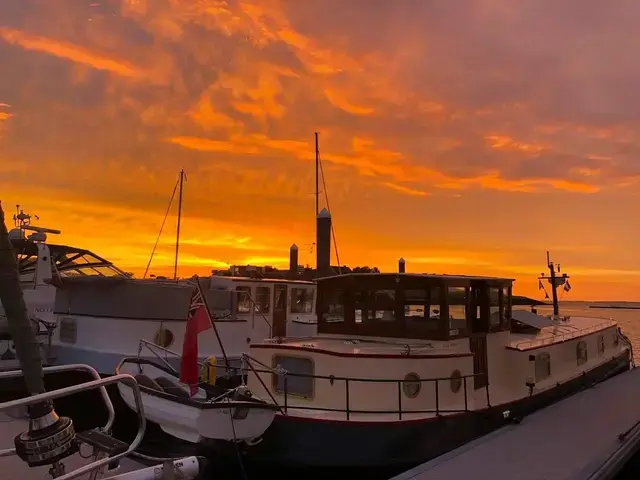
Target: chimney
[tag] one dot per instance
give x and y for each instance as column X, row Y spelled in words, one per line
column 293, row 261
column 401, row 265
column 323, row 243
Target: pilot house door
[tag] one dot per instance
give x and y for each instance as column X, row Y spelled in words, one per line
column 479, row 319
column 279, row 327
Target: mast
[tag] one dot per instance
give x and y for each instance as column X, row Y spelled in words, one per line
column 555, row 280
column 317, row 192
column 175, row 267
column 554, row 292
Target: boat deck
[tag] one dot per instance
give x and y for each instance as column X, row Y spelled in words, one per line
column 560, row 332
column 14, row 468
column 570, row 440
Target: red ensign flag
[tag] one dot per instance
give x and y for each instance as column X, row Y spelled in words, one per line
column 198, row 320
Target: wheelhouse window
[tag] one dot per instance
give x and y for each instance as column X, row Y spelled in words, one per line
column 334, row 306
column 375, row 306
column 243, row 299
column 263, row 299
column 457, row 299
column 506, row 301
column 301, row 300
column 496, row 309
column 422, row 308
column 293, row 376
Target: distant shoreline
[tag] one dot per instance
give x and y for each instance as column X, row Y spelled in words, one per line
column 616, row 307
column 521, row 300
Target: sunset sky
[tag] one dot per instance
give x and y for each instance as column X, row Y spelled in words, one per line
column 465, row 136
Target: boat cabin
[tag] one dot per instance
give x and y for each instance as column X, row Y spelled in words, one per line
column 398, row 346
column 274, row 307
column 411, row 306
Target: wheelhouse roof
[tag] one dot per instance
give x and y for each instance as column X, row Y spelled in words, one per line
column 262, row 280
column 432, row 276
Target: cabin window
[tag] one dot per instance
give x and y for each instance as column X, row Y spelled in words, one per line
column 411, row 385
column 263, row 299
column 280, row 300
column 243, row 299
column 68, row 330
column 581, row 353
column 543, row 366
column 496, row 312
column 457, row 299
column 600, row 344
column 616, row 338
column 298, row 371
column 334, row 306
column 301, row 300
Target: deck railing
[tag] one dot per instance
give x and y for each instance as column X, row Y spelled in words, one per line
column 247, row 368
column 348, row 409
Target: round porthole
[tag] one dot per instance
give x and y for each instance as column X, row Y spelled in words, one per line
column 456, row 381
column 163, row 338
column 411, row 385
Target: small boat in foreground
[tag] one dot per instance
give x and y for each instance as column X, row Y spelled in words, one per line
column 210, row 413
column 186, row 408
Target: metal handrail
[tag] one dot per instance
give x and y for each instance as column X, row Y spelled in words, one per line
column 93, row 384
column 348, row 380
column 65, row 368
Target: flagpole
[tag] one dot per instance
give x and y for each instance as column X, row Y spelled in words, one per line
column 213, row 324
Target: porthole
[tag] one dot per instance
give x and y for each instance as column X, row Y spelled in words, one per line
column 456, row 381
column 411, row 385
column 581, row 353
column 600, row 344
column 163, row 338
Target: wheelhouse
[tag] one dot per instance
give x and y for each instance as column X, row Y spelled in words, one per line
column 413, row 306
column 66, row 261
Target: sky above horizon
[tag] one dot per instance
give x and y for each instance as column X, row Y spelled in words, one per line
column 467, row 136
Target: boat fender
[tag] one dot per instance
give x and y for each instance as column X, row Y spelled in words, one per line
column 209, row 371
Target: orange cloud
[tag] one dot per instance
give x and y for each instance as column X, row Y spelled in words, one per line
column 504, row 142
column 233, row 91
column 406, row 190
column 72, row 53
